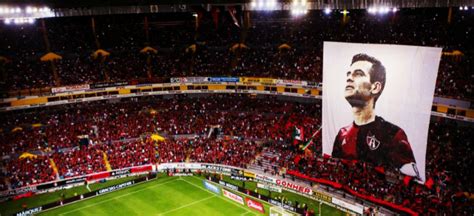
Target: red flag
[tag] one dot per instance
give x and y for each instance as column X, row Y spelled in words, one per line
column 429, row 183
column 297, row 159
column 380, row 169
column 406, row 180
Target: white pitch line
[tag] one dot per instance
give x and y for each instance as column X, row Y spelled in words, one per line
column 217, row 196
column 246, row 213
column 117, row 197
column 187, row 205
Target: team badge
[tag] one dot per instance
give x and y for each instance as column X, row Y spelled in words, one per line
column 372, row 142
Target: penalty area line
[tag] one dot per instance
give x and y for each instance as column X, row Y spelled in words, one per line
column 245, row 213
column 115, row 198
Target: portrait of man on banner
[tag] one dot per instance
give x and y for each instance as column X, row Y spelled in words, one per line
column 369, row 137
column 377, row 102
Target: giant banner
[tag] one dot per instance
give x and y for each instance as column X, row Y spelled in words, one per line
column 377, row 103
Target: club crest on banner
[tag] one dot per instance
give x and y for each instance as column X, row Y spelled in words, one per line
column 372, row 142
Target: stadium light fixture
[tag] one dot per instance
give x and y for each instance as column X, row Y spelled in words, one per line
column 466, row 8
column 271, row 4
column 345, row 12
column 381, row 10
column 298, row 12
column 19, row 20
column 299, row 8
column 253, row 4
column 372, row 10
column 327, row 11
column 294, row 12
column 266, row 5
column 26, row 14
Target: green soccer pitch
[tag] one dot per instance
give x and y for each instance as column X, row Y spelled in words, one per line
column 165, row 196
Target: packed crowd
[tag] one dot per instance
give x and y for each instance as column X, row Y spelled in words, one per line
column 119, row 132
column 124, row 36
column 447, row 190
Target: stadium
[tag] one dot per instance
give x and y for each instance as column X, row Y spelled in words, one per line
column 253, row 107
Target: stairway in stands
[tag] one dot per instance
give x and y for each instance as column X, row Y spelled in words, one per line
column 106, row 161
column 265, row 162
column 54, row 167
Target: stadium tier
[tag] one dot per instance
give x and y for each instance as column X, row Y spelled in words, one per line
column 236, row 109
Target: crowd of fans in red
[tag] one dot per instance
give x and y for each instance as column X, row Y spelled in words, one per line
column 121, row 131
column 124, row 36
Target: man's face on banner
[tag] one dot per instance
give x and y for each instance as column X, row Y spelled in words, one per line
column 358, row 85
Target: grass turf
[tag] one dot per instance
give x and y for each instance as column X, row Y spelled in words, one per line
column 12, row 206
column 168, row 196
column 165, row 196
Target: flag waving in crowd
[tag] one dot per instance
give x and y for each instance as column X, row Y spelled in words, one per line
column 303, row 146
column 298, row 135
column 310, row 141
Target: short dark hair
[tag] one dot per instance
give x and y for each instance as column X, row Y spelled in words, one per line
column 377, row 72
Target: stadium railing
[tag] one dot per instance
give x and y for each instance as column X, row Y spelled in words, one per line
column 199, row 85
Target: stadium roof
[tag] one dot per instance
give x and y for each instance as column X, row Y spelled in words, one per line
column 27, row 9
column 317, row 4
